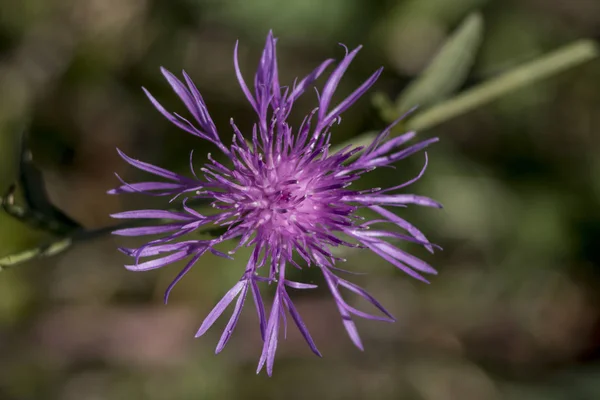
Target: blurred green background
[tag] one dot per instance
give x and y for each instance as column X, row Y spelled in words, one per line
column 514, row 311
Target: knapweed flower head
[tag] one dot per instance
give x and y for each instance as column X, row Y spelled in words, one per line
column 282, row 193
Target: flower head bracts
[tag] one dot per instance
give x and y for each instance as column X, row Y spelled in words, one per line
column 283, row 194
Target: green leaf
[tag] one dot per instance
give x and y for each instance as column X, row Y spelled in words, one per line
column 448, row 70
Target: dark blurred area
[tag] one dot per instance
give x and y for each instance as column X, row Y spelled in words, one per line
column 514, row 312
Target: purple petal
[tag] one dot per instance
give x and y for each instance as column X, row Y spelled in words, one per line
column 395, row 142
column 158, row 262
column 383, row 254
column 181, row 274
column 204, row 118
column 149, row 251
column 406, row 258
column 139, row 187
column 240, row 78
column 300, row 324
column 220, row 307
column 270, row 346
column 152, row 168
column 416, row 233
column 409, row 182
column 260, row 309
column 308, row 80
column 182, row 92
column 263, row 80
column 149, row 214
column 377, row 234
column 235, row 316
column 394, row 199
column 392, row 158
column 146, row 230
column 392, row 143
column 341, row 305
column 364, row 294
column 299, row 285
column 284, row 319
column 332, row 83
column 189, row 128
column 348, row 101
column 365, row 315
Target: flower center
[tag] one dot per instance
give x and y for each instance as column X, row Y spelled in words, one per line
column 282, row 206
column 285, row 199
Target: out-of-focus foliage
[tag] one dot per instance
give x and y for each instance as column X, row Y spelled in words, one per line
column 448, row 70
column 513, row 313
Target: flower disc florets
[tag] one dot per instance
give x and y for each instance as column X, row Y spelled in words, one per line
column 282, row 193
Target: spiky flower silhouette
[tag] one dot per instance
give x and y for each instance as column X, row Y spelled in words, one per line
column 282, row 193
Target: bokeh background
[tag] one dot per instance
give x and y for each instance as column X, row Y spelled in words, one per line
column 514, row 311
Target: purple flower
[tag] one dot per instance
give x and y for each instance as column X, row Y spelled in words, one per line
column 282, row 193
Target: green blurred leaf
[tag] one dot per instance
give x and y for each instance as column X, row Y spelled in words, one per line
column 449, row 68
column 548, row 65
column 560, row 60
column 49, row 250
column 386, row 108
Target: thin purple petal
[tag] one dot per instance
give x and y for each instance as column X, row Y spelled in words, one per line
column 220, row 307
